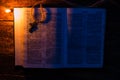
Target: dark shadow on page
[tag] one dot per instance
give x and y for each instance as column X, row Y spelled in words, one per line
column 48, row 18
column 34, row 25
column 48, row 15
column 56, row 56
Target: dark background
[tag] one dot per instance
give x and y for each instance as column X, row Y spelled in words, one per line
column 110, row 70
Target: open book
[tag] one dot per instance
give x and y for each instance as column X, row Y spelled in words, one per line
column 69, row 38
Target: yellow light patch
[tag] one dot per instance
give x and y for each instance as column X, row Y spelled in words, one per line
column 7, row 10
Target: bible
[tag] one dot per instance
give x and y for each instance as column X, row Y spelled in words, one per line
column 68, row 38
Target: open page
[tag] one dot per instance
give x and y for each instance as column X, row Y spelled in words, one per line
column 85, row 38
column 44, row 47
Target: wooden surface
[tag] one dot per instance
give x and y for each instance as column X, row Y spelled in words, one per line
column 25, row 2
column 6, row 38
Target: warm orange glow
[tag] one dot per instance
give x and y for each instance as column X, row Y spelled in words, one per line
column 19, row 27
column 7, row 10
